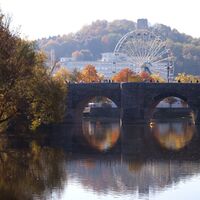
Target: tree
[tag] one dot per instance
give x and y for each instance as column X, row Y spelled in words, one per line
column 82, row 55
column 187, row 78
column 62, row 75
column 135, row 78
column 157, row 78
column 89, row 74
column 126, row 75
column 27, row 91
column 75, row 76
column 145, row 76
column 48, row 104
column 17, row 60
column 76, row 55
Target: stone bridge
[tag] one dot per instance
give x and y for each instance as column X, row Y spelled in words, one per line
column 136, row 101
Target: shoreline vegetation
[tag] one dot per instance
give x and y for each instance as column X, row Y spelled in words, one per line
column 29, row 95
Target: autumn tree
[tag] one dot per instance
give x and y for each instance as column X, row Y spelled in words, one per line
column 157, row 78
column 27, row 91
column 83, row 54
column 48, row 104
column 17, row 60
column 76, row 55
column 62, row 74
column 135, row 78
column 146, row 77
column 126, row 75
column 75, row 76
column 187, row 78
column 89, row 74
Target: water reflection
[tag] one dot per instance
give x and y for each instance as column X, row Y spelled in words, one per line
column 30, row 172
column 125, row 177
column 173, row 135
column 101, row 134
column 139, row 169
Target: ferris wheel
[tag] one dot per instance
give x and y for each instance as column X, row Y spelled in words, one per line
column 147, row 52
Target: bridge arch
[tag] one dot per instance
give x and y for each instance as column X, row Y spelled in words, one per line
column 84, row 102
column 80, row 94
column 160, row 97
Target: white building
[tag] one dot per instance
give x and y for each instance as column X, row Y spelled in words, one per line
column 109, row 65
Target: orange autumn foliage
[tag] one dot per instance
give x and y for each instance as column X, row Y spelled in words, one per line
column 123, row 75
column 146, row 76
column 89, row 74
column 126, row 75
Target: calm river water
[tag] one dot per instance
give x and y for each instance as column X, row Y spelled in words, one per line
column 101, row 160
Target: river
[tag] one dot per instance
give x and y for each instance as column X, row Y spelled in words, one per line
column 103, row 160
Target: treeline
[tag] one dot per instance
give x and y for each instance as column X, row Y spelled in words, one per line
column 89, row 74
column 91, row 40
column 102, row 36
column 29, row 95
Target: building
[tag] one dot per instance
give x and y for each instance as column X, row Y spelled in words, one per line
column 109, row 65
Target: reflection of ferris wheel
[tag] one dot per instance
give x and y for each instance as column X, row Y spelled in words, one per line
column 147, row 52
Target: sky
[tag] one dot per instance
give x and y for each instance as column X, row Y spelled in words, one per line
column 44, row 18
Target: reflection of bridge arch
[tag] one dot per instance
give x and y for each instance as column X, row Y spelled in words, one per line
column 173, row 135
column 100, row 134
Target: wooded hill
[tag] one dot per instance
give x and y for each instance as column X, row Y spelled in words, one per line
column 102, row 36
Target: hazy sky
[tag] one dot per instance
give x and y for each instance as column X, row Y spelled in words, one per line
column 41, row 18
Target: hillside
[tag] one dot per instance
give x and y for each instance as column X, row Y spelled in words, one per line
column 102, row 36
